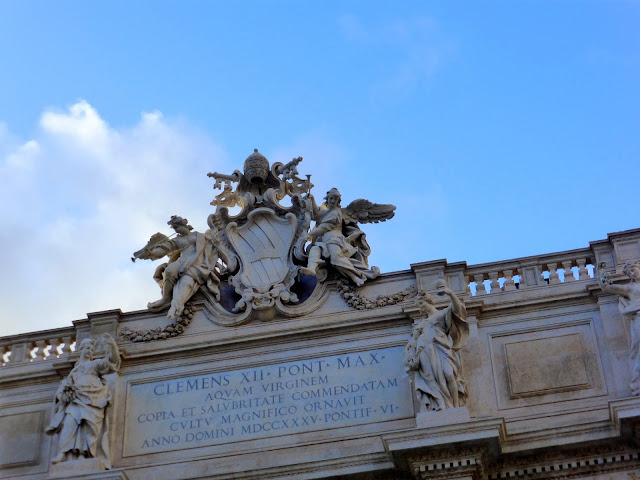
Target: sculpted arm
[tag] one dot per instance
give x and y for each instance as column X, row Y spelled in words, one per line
column 321, row 228
column 607, row 287
column 314, row 207
column 456, row 307
column 111, row 362
column 162, row 249
column 456, row 304
column 327, row 223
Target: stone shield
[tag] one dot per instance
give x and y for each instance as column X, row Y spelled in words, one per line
column 263, row 245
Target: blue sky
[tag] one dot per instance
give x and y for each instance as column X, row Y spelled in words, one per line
column 499, row 129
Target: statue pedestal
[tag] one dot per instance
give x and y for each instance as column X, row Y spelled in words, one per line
column 443, row 417
column 85, row 469
column 76, row 468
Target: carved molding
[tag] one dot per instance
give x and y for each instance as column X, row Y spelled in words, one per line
column 567, row 464
column 450, row 463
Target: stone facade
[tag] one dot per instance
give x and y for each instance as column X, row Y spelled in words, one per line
column 546, row 363
column 328, row 387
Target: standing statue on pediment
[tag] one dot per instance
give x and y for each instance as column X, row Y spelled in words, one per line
column 193, row 258
column 629, row 306
column 79, row 411
column 338, row 241
column 433, row 352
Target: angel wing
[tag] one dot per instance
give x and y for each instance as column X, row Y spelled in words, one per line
column 364, row 211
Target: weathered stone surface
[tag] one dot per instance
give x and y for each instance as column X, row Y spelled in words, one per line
column 561, row 368
column 282, row 399
column 313, row 385
column 24, row 448
column 79, row 419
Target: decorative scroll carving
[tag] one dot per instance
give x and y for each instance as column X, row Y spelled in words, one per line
column 258, row 244
column 432, row 352
column 79, row 410
column 629, row 306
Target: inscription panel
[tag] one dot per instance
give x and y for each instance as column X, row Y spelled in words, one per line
column 279, row 399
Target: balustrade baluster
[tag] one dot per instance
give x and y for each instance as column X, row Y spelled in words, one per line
column 54, row 342
column 40, row 353
column 509, row 284
column 66, row 349
column 495, row 284
column 554, row 279
column 480, row 288
column 568, row 273
column 583, row 273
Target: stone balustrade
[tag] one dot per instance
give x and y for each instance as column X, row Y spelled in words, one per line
column 546, row 363
column 528, row 272
column 37, row 347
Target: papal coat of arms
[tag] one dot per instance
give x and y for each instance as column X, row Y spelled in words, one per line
column 263, row 259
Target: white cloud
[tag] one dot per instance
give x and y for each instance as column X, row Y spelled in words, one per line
column 80, row 197
column 24, row 156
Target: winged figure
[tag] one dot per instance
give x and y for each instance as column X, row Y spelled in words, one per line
column 192, row 264
column 337, row 240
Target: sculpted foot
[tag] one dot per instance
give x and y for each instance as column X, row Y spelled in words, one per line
column 158, row 305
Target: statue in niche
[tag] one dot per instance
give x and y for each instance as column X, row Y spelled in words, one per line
column 337, row 240
column 193, row 257
column 81, row 401
column 629, row 306
column 432, row 353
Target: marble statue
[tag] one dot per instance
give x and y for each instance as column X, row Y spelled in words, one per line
column 193, row 258
column 432, row 352
column 337, row 240
column 629, row 306
column 259, row 244
column 258, row 255
column 79, row 411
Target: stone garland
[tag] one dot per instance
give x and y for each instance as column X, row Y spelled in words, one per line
column 360, row 302
column 347, row 291
column 172, row 330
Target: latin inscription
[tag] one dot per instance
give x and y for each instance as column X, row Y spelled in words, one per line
column 287, row 398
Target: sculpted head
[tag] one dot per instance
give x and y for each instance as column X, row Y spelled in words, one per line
column 632, row 270
column 333, row 198
column 87, row 347
column 425, row 303
column 180, row 225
